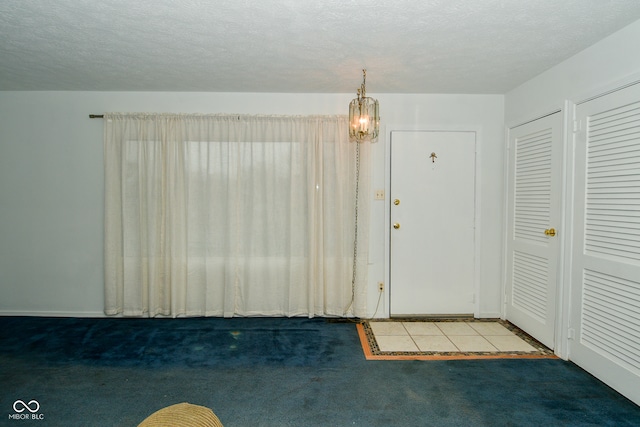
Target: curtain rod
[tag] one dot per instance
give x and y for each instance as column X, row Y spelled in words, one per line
column 96, row 116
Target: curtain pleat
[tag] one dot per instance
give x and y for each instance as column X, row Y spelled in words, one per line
column 218, row 215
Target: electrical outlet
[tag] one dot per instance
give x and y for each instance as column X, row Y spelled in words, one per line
column 379, row 194
column 381, row 287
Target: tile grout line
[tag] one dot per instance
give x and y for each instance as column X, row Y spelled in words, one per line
column 447, row 337
column 411, row 336
column 441, row 331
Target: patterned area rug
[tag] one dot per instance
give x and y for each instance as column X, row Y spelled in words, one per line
column 373, row 352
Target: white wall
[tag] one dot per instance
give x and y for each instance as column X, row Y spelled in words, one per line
column 51, row 184
column 605, row 65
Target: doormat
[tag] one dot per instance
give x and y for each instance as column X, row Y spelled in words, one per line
column 373, row 352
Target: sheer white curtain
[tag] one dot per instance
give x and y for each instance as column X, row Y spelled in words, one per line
column 217, row 215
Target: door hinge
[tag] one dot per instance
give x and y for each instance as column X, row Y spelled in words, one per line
column 572, row 334
column 577, row 126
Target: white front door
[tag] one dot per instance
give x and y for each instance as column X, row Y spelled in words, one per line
column 534, row 203
column 432, row 223
column 605, row 290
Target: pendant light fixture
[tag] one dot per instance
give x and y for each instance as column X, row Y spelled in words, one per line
column 364, row 116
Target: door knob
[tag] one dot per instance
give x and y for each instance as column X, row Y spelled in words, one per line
column 550, row 232
column 396, row 225
column 396, row 202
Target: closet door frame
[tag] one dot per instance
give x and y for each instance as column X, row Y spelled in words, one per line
column 599, row 344
column 565, row 237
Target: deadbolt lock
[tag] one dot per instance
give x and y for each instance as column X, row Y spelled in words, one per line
column 396, row 225
column 396, row 202
column 550, row 232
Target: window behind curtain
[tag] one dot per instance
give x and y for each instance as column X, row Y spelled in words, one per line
column 232, row 215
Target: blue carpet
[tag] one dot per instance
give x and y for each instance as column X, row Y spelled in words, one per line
column 196, row 342
column 277, row 372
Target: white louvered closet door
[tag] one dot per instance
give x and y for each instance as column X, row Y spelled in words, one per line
column 535, row 167
column 605, row 315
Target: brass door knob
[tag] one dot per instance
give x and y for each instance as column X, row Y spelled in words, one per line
column 396, row 225
column 396, row 202
column 550, row 232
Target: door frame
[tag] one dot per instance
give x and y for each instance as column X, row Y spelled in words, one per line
column 567, row 248
column 614, row 376
column 509, row 176
column 565, row 237
column 388, row 132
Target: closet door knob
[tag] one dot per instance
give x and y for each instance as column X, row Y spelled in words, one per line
column 396, row 225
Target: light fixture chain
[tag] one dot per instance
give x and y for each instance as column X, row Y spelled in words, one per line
column 355, row 233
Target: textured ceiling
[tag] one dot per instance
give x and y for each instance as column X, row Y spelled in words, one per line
column 419, row 46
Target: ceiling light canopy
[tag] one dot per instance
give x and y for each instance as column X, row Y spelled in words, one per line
column 364, row 115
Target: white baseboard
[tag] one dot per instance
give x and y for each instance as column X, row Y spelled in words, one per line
column 18, row 313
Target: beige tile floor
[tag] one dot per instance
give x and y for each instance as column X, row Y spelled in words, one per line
column 447, row 337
